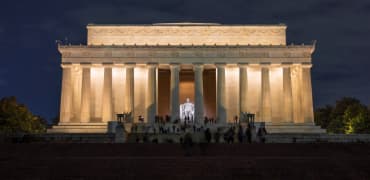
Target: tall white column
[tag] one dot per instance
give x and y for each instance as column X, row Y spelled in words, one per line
column 296, row 73
column 129, row 96
column 307, row 94
column 287, row 94
column 243, row 80
column 265, row 94
column 86, row 90
column 76, row 92
column 174, row 96
column 221, row 96
column 152, row 92
column 66, row 98
column 107, row 95
column 198, row 89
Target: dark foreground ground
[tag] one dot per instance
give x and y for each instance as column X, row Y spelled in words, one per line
column 172, row 161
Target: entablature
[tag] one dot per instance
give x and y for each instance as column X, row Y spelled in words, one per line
column 187, row 54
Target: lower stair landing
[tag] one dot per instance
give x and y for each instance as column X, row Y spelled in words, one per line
column 79, row 128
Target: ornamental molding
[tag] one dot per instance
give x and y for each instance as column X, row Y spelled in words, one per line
column 185, row 31
column 222, row 52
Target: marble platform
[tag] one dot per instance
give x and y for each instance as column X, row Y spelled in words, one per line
column 79, row 128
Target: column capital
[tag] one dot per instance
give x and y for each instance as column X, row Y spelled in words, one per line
column 66, row 65
column 152, row 65
column 306, row 65
column 130, row 65
column 198, row 66
column 86, row 65
column 108, row 65
column 243, row 65
column 265, row 65
column 220, row 65
column 174, row 65
column 286, row 65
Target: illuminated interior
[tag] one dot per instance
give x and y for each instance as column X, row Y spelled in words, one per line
column 186, row 87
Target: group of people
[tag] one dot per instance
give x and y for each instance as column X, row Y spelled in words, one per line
column 209, row 120
column 231, row 135
column 248, row 135
column 167, row 129
column 161, row 119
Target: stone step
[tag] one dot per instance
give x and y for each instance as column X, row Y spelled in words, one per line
column 79, row 127
column 82, row 124
column 309, row 131
column 294, row 128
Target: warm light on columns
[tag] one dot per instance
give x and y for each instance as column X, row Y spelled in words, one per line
column 66, row 97
column 140, row 89
column 76, row 92
column 254, row 92
column 97, row 79
column 232, row 92
column 276, row 93
column 296, row 74
column 119, row 82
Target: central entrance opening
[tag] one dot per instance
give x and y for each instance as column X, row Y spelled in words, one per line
column 186, row 90
column 186, row 86
column 186, row 97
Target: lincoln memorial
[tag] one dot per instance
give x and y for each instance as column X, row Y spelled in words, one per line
column 186, row 71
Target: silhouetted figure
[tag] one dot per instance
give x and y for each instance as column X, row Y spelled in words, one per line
column 236, row 119
column 240, row 134
column 232, row 133
column 188, row 143
column 205, row 120
column 208, row 135
column 229, row 136
column 217, row 136
column 168, row 118
column 145, row 138
column 261, row 133
column 248, row 133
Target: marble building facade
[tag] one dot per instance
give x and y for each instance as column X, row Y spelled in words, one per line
column 252, row 69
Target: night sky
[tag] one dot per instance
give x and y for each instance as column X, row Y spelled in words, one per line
column 30, row 63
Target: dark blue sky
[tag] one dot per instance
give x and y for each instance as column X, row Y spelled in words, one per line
column 29, row 60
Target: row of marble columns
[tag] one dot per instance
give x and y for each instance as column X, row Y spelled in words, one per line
column 296, row 103
column 76, row 106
